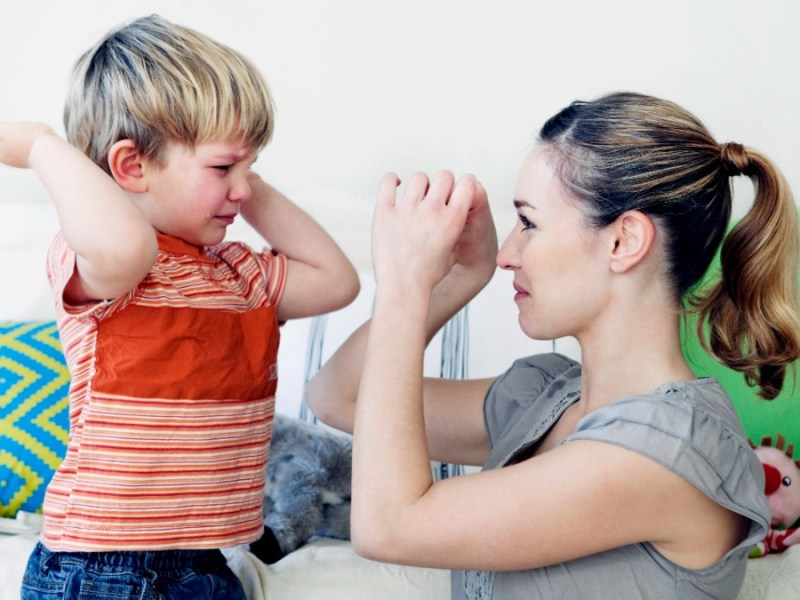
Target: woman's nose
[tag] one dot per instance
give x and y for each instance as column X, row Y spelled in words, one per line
column 508, row 255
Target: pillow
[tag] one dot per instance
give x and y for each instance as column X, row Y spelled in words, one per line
column 34, row 412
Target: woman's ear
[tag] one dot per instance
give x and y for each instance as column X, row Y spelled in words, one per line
column 634, row 234
column 125, row 164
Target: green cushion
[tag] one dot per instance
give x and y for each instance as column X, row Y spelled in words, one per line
column 34, row 413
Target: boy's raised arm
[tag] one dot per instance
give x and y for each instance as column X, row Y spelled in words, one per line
column 321, row 279
column 114, row 242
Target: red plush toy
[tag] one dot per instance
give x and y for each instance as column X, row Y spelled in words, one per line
column 782, row 487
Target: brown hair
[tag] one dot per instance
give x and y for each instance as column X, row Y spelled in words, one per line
column 629, row 151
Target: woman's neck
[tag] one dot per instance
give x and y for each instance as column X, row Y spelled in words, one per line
column 631, row 354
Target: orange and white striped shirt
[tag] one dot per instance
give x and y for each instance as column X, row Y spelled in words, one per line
column 171, row 403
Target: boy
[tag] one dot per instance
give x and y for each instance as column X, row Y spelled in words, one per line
column 171, row 335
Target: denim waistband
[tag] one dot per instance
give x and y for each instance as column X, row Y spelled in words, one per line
column 157, row 560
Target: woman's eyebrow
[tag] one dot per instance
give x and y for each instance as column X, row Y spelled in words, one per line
column 523, row 203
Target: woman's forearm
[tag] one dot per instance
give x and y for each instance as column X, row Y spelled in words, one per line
column 331, row 393
column 391, row 463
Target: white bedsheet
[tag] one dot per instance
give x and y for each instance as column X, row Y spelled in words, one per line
column 322, row 570
column 330, row 570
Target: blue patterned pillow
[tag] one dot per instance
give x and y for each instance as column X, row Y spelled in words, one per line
column 34, row 412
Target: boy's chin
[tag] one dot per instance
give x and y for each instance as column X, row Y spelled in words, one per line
column 213, row 240
column 206, row 238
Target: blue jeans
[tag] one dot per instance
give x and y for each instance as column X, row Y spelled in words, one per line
column 169, row 574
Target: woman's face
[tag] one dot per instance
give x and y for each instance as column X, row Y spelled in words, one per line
column 560, row 265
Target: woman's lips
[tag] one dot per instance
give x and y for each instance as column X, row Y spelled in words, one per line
column 521, row 292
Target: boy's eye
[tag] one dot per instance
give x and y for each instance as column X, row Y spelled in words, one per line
column 222, row 168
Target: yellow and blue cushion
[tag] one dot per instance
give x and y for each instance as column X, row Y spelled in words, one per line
column 34, row 412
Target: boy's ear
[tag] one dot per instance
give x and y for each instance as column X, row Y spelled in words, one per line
column 125, row 164
column 633, row 235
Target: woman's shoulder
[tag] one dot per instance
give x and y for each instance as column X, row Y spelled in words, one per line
column 692, row 429
column 682, row 411
column 541, row 366
column 528, row 377
column 520, row 397
column 675, row 403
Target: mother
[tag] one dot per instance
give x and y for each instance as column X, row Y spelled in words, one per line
column 621, row 477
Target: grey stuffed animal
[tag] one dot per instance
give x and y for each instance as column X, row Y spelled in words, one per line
column 308, row 487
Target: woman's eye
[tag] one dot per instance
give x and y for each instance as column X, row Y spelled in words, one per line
column 526, row 224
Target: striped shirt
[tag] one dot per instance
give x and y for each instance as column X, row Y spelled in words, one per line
column 171, row 403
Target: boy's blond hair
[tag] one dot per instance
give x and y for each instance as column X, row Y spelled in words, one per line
column 155, row 82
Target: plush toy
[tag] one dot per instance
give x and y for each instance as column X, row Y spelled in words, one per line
column 308, row 487
column 782, row 486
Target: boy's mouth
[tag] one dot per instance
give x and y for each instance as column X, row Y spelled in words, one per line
column 225, row 219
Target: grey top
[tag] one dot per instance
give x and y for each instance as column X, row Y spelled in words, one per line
column 689, row 427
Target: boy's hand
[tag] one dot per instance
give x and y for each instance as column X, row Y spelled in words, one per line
column 17, row 140
column 321, row 277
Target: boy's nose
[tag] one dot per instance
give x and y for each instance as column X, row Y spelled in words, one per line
column 240, row 192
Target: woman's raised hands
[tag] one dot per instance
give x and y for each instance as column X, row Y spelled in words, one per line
column 438, row 226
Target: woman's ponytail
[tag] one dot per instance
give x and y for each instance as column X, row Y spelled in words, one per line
column 752, row 312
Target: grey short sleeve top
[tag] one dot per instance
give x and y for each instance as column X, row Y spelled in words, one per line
column 689, row 427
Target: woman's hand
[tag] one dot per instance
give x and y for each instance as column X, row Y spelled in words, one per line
column 476, row 247
column 417, row 240
column 407, row 240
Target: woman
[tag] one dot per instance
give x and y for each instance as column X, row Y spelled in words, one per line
column 622, row 477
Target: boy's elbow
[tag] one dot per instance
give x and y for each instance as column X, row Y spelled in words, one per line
column 346, row 287
column 108, row 273
column 334, row 289
column 138, row 258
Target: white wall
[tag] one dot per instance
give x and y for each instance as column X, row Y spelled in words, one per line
column 367, row 86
